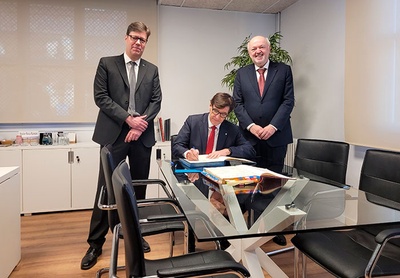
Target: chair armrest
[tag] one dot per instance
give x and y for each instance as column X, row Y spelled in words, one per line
column 164, row 218
column 204, row 269
column 381, row 240
column 153, row 181
column 386, row 235
column 157, row 200
column 102, row 202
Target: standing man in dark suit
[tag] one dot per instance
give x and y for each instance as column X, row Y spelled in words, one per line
column 265, row 115
column 128, row 93
column 264, row 97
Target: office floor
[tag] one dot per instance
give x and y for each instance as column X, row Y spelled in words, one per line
column 54, row 243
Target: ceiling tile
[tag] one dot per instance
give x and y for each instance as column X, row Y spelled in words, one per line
column 254, row 6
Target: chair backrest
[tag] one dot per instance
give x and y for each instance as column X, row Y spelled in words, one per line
column 327, row 159
column 108, row 164
column 128, row 214
column 173, row 157
column 380, row 174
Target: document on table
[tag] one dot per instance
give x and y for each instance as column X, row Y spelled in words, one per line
column 204, row 161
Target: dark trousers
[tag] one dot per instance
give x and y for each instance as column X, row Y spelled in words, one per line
column 272, row 158
column 139, row 163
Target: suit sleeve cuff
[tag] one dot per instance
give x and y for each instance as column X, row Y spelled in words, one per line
column 249, row 126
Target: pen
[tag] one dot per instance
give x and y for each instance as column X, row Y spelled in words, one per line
column 195, row 153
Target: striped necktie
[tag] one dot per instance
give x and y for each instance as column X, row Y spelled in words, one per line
column 132, row 87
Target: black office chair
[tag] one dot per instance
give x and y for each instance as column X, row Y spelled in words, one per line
column 147, row 208
column 173, row 157
column 323, row 158
column 321, row 161
column 189, row 265
column 364, row 252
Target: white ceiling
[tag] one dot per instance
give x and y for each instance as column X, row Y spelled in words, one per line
column 253, row 6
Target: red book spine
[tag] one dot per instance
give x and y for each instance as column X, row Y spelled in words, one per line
column 160, row 122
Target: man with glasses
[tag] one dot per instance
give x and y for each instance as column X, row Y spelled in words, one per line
column 194, row 135
column 128, row 93
column 227, row 140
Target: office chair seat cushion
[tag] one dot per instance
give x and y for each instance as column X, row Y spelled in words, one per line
column 346, row 254
column 156, row 228
column 200, row 263
column 165, row 227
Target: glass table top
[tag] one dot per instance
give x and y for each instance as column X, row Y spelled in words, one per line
column 305, row 203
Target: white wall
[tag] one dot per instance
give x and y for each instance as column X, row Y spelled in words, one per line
column 195, row 44
column 314, row 35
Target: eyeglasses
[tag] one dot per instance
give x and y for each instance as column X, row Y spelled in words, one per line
column 221, row 114
column 135, row 39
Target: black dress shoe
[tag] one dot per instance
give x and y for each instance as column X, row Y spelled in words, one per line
column 146, row 247
column 90, row 258
column 280, row 240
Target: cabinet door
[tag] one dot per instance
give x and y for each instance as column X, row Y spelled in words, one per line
column 10, row 223
column 85, row 170
column 46, row 180
column 12, row 157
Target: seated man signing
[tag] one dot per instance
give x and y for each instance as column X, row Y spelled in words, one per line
column 226, row 138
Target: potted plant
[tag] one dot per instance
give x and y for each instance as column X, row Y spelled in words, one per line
column 277, row 54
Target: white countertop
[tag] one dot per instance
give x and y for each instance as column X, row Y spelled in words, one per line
column 8, row 172
column 29, row 147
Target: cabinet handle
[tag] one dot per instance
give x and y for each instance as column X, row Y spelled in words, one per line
column 78, row 159
column 70, row 157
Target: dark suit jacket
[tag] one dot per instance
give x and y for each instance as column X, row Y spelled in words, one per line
column 194, row 133
column 111, row 95
column 273, row 107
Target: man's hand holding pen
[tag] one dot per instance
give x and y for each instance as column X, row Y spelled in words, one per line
column 192, row 154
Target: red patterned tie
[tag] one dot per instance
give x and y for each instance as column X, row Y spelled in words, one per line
column 261, row 80
column 210, row 142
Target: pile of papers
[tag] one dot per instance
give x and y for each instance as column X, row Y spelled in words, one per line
column 204, row 161
column 246, row 178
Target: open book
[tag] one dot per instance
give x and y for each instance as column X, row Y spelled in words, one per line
column 246, row 178
column 214, row 162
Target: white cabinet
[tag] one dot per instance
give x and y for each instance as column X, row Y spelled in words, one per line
column 12, row 157
column 57, row 179
column 10, row 220
column 46, row 184
column 164, row 152
column 84, row 175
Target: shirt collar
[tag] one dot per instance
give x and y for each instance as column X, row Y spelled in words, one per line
column 266, row 66
column 210, row 124
column 127, row 59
